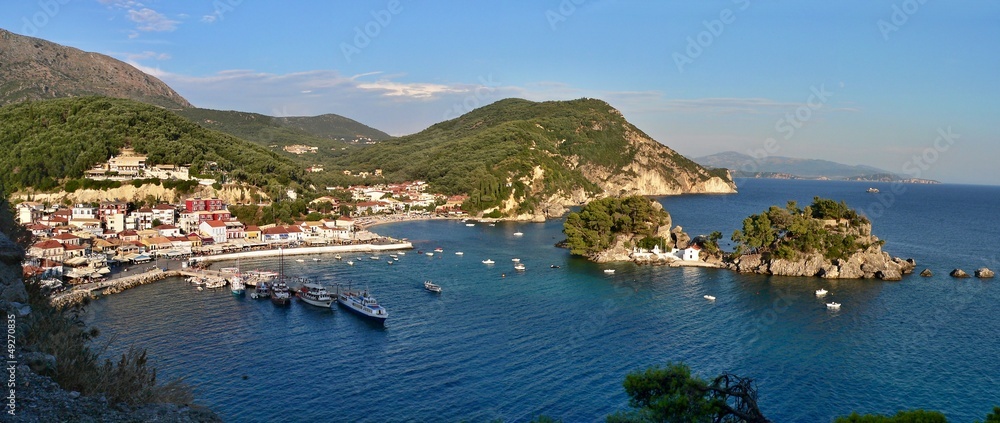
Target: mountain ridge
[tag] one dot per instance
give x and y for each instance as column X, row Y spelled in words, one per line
column 780, row 167
column 36, row 69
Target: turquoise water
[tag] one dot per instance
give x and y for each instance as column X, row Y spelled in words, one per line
column 499, row 344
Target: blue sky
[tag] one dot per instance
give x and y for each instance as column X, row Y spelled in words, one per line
column 859, row 82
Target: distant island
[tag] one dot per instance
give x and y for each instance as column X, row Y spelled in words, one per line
column 826, row 239
column 778, row 167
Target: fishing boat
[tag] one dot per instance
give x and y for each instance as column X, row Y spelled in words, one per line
column 833, row 306
column 710, row 298
column 236, row 286
column 488, row 261
column 432, row 287
column 519, row 267
column 362, row 304
column 820, row 292
column 315, row 294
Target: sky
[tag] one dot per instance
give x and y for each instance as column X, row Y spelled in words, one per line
column 909, row 86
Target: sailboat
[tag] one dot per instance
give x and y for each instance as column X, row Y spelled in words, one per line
column 280, row 294
column 236, row 284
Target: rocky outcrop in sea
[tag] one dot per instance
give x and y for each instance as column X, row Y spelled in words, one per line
column 984, row 273
column 867, row 263
column 958, row 273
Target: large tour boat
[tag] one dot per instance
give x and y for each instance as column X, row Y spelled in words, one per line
column 315, row 294
column 362, row 304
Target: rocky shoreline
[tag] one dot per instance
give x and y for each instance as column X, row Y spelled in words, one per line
column 41, row 400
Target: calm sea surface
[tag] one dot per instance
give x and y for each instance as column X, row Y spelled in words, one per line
column 500, row 344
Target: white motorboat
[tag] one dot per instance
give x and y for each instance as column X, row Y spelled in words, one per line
column 459, row 253
column 515, row 260
column 519, row 266
column 300, row 260
column 338, row 257
column 518, row 233
column 710, row 297
column 432, row 287
column 833, row 306
column 470, row 224
column 373, row 257
column 402, row 253
column 609, row 271
column 439, row 250
column 315, row 258
column 350, row 263
column 362, row 304
column 488, row 261
column 315, row 294
column 429, row 254
column 821, row 292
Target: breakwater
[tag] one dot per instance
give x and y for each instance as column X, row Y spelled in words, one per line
column 330, row 249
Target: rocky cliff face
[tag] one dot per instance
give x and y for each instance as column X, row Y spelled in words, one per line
column 656, row 170
column 869, row 263
column 35, row 69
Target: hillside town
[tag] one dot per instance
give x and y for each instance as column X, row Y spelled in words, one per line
column 85, row 242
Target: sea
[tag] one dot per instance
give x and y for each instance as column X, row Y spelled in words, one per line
column 499, row 344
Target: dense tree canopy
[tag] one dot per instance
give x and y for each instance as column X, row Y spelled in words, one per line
column 595, row 227
column 47, row 141
column 790, row 231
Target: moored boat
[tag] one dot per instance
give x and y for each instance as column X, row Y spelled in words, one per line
column 519, row 266
column 261, row 291
column 710, row 297
column 833, row 306
column 236, row 286
column 820, row 292
column 315, row 294
column 280, row 294
column 362, row 304
column 518, row 233
column 488, row 261
column 439, row 250
column 609, row 271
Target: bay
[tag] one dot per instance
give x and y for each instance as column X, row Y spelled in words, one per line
column 502, row 344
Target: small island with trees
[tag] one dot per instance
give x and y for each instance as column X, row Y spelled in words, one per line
column 825, row 239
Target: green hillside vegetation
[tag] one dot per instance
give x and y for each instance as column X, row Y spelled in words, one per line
column 487, row 152
column 46, row 142
column 790, row 231
column 595, row 227
column 333, row 127
column 325, row 132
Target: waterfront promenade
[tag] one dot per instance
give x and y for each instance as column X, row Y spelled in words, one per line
column 329, row 249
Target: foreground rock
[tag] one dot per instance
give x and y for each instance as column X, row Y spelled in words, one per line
column 984, row 273
column 41, row 400
column 958, row 273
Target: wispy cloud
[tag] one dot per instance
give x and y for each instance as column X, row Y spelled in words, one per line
column 145, row 18
column 151, row 21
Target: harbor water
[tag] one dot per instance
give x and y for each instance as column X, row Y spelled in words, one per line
column 504, row 344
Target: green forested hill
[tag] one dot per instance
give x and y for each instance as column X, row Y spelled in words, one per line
column 330, row 133
column 528, row 152
column 46, row 141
